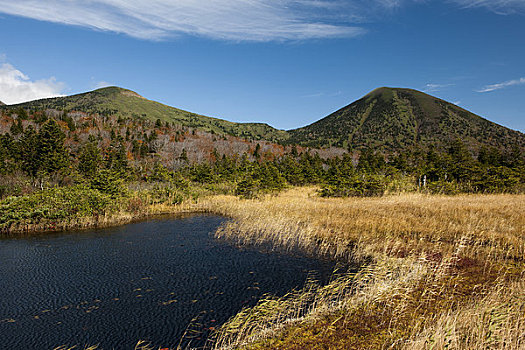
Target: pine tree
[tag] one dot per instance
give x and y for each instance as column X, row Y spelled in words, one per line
column 461, row 161
column 27, row 152
column 117, row 159
column 52, row 153
column 257, row 152
column 89, row 160
column 4, row 154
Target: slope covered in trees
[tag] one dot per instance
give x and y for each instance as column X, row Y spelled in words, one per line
column 392, row 120
column 388, row 119
column 51, row 147
column 123, row 103
column 43, row 149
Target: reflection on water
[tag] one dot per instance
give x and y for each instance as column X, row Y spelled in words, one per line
column 143, row 281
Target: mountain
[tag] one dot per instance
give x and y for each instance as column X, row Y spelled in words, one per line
column 392, row 119
column 125, row 103
column 386, row 119
column 2, row 104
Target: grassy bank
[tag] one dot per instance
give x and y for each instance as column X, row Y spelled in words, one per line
column 439, row 272
column 82, row 207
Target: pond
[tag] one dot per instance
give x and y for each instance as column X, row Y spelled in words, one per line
column 142, row 281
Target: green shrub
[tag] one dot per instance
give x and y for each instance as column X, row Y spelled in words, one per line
column 59, row 203
column 443, row 187
column 247, row 188
column 108, row 182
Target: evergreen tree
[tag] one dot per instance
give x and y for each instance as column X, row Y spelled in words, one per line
column 257, row 152
column 489, row 156
column 291, row 170
column 294, row 151
column 515, row 158
column 461, row 161
column 89, row 160
column 27, row 152
column 52, row 153
column 21, row 113
column 70, row 123
column 184, row 155
column 117, row 159
column 371, row 162
column 4, row 154
column 109, row 182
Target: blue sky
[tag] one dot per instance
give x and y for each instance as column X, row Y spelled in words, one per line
column 283, row 62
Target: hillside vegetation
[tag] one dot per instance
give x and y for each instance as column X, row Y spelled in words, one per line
column 119, row 102
column 392, row 120
column 43, row 149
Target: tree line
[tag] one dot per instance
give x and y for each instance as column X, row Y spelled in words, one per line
column 44, row 157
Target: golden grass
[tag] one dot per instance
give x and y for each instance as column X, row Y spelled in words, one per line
column 398, row 224
column 441, row 272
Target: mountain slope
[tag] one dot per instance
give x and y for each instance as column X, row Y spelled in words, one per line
column 128, row 104
column 387, row 119
column 2, row 104
column 392, row 119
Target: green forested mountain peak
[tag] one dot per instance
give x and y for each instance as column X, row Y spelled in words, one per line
column 112, row 91
column 393, row 119
column 124, row 103
column 384, row 92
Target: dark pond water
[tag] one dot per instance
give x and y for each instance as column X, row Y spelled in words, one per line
column 143, row 281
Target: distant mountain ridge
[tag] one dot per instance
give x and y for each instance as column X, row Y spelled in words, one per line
column 129, row 104
column 392, row 119
column 386, row 119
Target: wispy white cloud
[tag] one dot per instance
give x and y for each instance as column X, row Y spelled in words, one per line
column 430, row 87
column 16, row 87
column 499, row 86
column 236, row 20
column 503, row 7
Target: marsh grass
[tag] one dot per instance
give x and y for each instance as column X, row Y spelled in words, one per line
column 438, row 271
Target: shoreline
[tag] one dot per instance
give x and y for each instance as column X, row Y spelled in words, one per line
column 101, row 222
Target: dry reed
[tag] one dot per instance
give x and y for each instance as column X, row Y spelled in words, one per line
column 436, row 266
